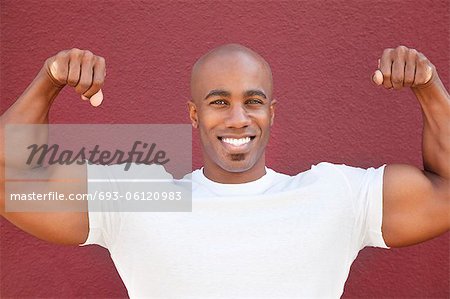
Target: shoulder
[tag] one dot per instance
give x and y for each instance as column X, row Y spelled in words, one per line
column 342, row 177
column 346, row 172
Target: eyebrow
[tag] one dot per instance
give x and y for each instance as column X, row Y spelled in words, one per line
column 254, row 92
column 226, row 94
column 218, row 93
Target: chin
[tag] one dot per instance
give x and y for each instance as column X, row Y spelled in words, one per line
column 237, row 164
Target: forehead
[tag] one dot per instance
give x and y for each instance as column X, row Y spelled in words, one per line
column 234, row 72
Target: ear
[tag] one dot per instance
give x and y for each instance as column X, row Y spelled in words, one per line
column 193, row 114
column 272, row 110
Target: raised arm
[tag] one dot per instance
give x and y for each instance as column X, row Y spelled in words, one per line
column 416, row 203
column 85, row 72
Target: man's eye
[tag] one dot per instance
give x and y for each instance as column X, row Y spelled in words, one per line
column 218, row 102
column 254, row 101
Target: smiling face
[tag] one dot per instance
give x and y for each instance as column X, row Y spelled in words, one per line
column 233, row 109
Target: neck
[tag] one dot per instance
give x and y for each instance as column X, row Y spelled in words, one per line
column 217, row 174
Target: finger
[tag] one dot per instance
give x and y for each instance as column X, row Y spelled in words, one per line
column 428, row 74
column 86, row 73
column 410, row 67
column 377, row 77
column 386, row 67
column 424, row 70
column 398, row 66
column 98, row 77
column 97, row 99
column 398, row 72
column 59, row 68
column 74, row 67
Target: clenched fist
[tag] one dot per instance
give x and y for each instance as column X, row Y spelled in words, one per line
column 401, row 67
column 80, row 69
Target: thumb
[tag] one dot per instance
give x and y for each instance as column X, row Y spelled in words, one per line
column 95, row 100
column 377, row 77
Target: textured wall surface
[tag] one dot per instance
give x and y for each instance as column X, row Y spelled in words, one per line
column 322, row 54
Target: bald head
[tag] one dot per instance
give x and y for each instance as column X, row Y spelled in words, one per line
column 230, row 64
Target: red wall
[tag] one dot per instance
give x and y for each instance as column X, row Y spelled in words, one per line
column 322, row 54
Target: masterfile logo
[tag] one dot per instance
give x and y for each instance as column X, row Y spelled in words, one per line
column 139, row 168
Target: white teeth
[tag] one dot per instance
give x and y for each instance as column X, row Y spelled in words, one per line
column 236, row 142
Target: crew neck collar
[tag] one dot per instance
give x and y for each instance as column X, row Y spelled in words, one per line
column 249, row 188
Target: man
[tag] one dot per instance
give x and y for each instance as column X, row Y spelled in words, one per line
column 253, row 233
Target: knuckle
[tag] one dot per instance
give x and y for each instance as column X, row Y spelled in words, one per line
column 421, row 80
column 387, row 51
column 71, row 81
column 61, row 54
column 400, row 52
column 409, row 81
column 82, row 86
column 60, row 77
column 75, row 52
column 432, row 67
column 402, row 49
column 412, row 53
column 397, row 80
column 420, row 55
column 87, row 55
column 98, row 81
column 422, row 59
column 96, row 84
column 101, row 60
column 49, row 60
column 78, row 89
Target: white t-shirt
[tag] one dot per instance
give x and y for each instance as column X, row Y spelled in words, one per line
column 278, row 237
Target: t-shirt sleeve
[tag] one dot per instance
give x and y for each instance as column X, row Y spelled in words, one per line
column 104, row 215
column 366, row 187
column 107, row 186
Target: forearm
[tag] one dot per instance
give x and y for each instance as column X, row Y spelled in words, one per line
column 33, row 105
column 435, row 102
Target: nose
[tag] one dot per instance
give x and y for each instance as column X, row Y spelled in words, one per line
column 237, row 117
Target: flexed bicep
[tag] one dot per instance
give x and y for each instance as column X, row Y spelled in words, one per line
column 415, row 205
